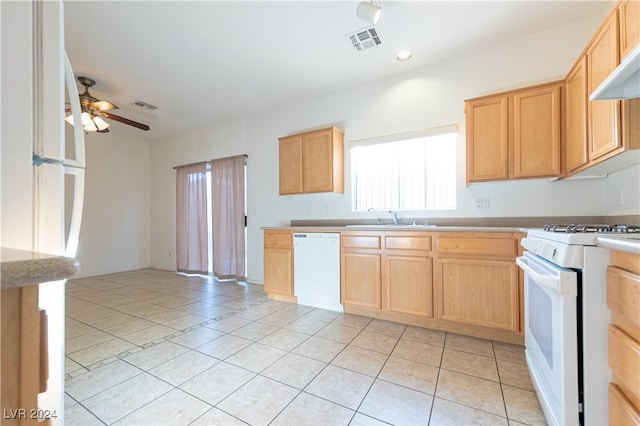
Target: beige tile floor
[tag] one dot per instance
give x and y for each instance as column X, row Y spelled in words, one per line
column 151, row 347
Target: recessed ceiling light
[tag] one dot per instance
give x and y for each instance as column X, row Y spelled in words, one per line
column 403, row 55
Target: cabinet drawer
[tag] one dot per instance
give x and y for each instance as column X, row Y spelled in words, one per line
column 623, row 298
column 401, row 242
column 627, row 261
column 624, row 360
column 277, row 239
column 361, row 241
column 478, row 246
column 621, row 411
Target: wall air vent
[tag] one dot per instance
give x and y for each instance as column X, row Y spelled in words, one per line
column 365, row 39
column 143, row 105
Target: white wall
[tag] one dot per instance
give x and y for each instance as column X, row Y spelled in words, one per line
column 424, row 98
column 623, row 192
column 114, row 235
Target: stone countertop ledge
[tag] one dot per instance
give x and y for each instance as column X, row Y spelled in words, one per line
column 21, row 268
column 628, row 244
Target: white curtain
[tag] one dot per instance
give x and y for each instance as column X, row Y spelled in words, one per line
column 227, row 199
column 191, row 219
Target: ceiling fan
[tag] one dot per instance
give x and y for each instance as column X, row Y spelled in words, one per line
column 94, row 110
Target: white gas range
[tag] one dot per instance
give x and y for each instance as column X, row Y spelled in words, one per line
column 566, row 319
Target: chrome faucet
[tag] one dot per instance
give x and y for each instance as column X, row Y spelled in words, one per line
column 394, row 216
column 371, row 209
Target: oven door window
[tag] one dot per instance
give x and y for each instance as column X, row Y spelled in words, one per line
column 541, row 322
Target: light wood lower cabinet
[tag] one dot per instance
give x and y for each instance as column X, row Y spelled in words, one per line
column 278, row 264
column 463, row 282
column 479, row 292
column 409, row 284
column 388, row 271
column 478, row 281
column 361, row 280
column 24, row 357
column 623, row 298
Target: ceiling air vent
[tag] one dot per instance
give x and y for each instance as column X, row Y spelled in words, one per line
column 365, row 39
column 143, row 105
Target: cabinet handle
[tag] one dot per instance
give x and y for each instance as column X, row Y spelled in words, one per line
column 44, row 351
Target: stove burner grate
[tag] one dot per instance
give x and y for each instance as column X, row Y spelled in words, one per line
column 590, row 228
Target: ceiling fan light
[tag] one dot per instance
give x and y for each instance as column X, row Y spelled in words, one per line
column 100, row 123
column 369, row 12
column 86, row 118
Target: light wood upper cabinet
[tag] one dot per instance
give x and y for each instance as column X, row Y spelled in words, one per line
column 536, row 132
column 515, row 134
column 312, row 162
column 611, row 126
column 290, row 165
column 576, row 99
column 604, row 116
column 487, row 139
column 629, row 11
column 278, row 264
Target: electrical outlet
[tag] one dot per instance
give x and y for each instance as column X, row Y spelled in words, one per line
column 325, row 208
column 309, row 209
column 620, row 197
column 482, row 204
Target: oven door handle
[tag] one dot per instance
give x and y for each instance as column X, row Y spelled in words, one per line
column 551, row 281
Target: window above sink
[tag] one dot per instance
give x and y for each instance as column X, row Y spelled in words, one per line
column 409, row 171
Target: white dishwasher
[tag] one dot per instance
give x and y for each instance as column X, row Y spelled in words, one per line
column 316, row 269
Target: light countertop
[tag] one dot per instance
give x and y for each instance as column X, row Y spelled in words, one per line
column 20, row 268
column 630, row 244
column 389, row 228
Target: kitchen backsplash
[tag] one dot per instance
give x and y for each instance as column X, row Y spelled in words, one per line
column 512, row 222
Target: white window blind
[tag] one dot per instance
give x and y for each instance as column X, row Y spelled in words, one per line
column 412, row 171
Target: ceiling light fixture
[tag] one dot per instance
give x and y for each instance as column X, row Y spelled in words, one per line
column 404, row 55
column 369, row 12
column 90, row 122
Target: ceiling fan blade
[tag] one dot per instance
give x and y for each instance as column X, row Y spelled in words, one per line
column 103, row 106
column 125, row 121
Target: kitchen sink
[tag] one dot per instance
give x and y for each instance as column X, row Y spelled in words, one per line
column 392, row 225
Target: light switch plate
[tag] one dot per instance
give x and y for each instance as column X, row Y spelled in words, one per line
column 482, row 204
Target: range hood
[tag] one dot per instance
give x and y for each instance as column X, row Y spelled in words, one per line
column 624, row 81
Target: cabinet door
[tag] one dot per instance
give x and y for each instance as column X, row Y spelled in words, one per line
column 290, row 165
column 278, row 271
column 408, row 284
column 604, row 116
column 360, row 280
column 629, row 26
column 576, row 99
column 487, row 136
column 536, row 132
column 621, row 410
column 478, row 292
column 317, row 161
